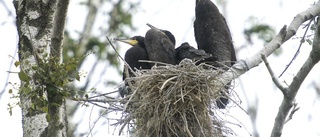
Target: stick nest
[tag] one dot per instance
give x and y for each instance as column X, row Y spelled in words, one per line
column 175, row 100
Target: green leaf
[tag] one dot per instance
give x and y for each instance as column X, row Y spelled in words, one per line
column 10, row 91
column 48, row 117
column 10, row 109
column 34, row 67
column 26, row 90
column 78, row 77
column 17, row 63
column 23, row 76
column 309, row 41
column 71, row 67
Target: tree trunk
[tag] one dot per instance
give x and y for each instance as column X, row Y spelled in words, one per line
column 40, row 25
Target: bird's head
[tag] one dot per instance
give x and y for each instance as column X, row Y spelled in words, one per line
column 133, row 41
column 165, row 32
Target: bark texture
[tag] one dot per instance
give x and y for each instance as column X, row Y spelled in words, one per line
column 40, row 25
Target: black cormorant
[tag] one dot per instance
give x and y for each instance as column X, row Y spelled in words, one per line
column 135, row 53
column 132, row 56
column 160, row 45
column 213, row 36
column 189, row 52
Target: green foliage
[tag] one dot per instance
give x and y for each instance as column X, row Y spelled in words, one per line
column 117, row 19
column 120, row 17
column 13, row 96
column 263, row 31
column 17, row 63
column 23, row 76
column 50, row 78
column 10, row 109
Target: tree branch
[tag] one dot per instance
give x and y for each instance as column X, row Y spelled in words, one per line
column 57, row 113
column 274, row 78
column 58, row 28
column 298, row 50
column 93, row 6
column 293, row 88
column 285, row 33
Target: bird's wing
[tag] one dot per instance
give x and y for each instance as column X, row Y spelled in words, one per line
column 199, row 52
column 168, row 46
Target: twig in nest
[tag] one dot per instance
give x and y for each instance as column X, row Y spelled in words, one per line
column 164, row 83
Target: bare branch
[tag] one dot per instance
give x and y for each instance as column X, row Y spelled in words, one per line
column 243, row 66
column 293, row 88
column 302, row 17
column 298, row 50
column 285, row 33
column 104, row 94
column 95, row 100
column 274, row 78
column 95, row 122
column 93, row 6
column 9, row 68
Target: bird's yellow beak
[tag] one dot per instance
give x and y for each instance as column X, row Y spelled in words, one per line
column 129, row 41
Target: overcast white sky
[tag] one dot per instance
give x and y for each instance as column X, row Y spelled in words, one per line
column 256, row 83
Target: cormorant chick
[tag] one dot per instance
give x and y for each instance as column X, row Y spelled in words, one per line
column 160, row 45
column 187, row 51
column 132, row 56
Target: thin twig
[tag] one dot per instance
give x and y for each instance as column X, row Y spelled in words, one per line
column 274, row 78
column 94, row 123
column 95, row 100
column 104, row 94
column 115, row 50
column 298, row 50
column 125, row 123
column 90, row 132
column 126, row 105
column 95, row 104
column 10, row 67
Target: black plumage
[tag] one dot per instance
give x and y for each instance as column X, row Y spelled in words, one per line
column 189, row 52
column 132, row 56
column 213, row 36
column 160, row 45
column 135, row 53
column 168, row 33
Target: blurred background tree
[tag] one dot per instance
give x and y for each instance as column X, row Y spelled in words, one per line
column 115, row 19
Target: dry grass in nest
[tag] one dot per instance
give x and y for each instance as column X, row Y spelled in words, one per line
column 178, row 100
